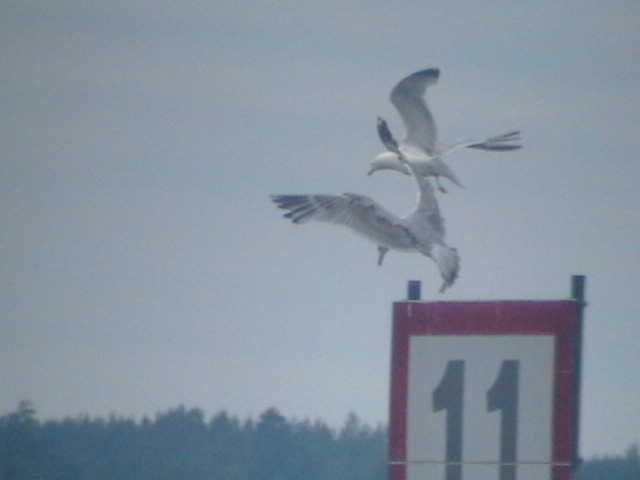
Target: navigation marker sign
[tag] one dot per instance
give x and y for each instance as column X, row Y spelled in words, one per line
column 484, row 390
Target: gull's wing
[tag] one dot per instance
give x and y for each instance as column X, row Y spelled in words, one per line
column 386, row 137
column 499, row 143
column 358, row 212
column 408, row 98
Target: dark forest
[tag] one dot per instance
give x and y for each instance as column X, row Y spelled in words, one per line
column 182, row 444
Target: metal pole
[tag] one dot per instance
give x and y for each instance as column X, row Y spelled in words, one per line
column 413, row 290
column 578, row 294
column 578, row 287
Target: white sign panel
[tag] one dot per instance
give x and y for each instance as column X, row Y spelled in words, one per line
column 482, row 400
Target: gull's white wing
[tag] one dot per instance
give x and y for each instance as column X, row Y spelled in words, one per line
column 408, row 98
column 358, row 212
column 499, row 143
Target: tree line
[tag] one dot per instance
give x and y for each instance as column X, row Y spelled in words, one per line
column 182, row 444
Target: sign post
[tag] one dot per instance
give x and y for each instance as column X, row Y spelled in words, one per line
column 485, row 390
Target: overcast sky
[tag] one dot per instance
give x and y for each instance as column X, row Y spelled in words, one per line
column 143, row 265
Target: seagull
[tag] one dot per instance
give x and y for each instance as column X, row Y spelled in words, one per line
column 420, row 144
column 420, row 231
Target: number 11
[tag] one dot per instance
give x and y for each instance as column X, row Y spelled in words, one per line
column 502, row 395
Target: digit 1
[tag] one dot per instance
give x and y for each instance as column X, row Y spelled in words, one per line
column 503, row 396
column 448, row 396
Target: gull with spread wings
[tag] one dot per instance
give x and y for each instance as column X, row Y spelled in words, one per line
column 420, row 146
column 420, row 231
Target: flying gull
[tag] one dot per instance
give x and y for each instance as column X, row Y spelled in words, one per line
column 420, row 144
column 421, row 231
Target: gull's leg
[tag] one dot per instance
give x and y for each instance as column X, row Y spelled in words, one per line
column 381, row 253
column 440, row 187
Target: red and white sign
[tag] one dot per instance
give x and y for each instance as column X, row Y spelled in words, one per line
column 484, row 390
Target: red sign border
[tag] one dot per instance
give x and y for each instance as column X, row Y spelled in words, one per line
column 560, row 318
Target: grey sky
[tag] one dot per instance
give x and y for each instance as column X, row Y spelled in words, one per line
column 143, row 265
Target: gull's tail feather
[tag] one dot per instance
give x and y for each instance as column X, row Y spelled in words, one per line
column 448, row 262
column 501, row 143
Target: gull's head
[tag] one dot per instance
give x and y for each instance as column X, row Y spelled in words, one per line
column 387, row 161
column 374, row 167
